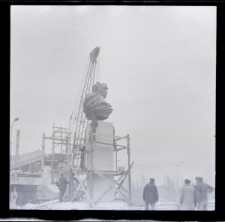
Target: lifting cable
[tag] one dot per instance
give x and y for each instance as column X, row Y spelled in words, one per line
column 99, row 67
column 76, row 101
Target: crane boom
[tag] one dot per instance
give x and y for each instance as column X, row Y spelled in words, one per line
column 80, row 119
column 94, row 54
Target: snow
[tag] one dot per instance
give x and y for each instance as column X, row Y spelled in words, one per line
column 55, row 205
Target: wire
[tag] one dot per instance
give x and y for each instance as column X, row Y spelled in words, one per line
column 78, row 95
column 79, row 91
column 99, row 66
column 97, row 76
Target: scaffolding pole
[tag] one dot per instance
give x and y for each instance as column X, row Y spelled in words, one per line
column 128, row 153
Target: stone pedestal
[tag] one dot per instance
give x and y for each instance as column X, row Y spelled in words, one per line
column 101, row 159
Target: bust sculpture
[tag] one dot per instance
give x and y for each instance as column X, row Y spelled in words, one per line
column 95, row 107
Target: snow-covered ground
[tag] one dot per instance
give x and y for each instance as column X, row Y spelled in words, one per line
column 54, row 205
column 171, row 206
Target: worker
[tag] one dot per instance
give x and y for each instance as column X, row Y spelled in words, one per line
column 13, row 203
column 61, row 165
column 187, row 196
column 62, row 184
column 83, row 157
column 150, row 194
column 201, row 193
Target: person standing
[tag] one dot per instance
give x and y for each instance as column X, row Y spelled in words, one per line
column 201, row 193
column 150, row 194
column 83, row 157
column 62, row 183
column 13, row 203
column 187, row 196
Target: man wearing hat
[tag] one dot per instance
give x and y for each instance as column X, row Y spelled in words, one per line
column 187, row 196
column 150, row 194
column 201, row 193
column 62, row 184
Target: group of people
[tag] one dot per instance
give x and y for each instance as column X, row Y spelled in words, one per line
column 190, row 196
column 195, row 196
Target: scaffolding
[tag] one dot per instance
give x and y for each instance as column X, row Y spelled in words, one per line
column 61, row 138
column 76, row 153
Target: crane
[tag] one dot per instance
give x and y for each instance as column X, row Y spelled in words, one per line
column 80, row 121
column 74, row 166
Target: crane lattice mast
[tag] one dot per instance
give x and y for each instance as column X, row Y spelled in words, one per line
column 80, row 119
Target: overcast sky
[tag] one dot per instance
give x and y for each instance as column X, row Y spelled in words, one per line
column 159, row 63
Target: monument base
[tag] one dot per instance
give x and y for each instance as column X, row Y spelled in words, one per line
column 100, row 156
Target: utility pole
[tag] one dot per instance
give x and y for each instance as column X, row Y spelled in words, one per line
column 178, row 175
column 16, row 119
column 17, row 148
column 129, row 175
column 43, row 152
column 178, row 172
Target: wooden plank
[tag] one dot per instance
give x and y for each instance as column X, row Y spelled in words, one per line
column 121, row 183
column 107, row 190
column 104, row 178
column 88, row 196
column 54, row 195
column 103, row 195
column 110, row 184
column 120, row 149
column 42, row 204
column 120, row 138
column 128, row 171
column 79, row 188
column 52, row 138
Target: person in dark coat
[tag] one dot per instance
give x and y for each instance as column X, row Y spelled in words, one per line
column 62, row 184
column 150, row 194
column 201, row 193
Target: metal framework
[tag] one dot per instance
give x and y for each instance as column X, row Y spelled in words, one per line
column 117, row 186
column 119, row 176
column 79, row 152
column 60, row 138
column 74, row 153
column 80, row 119
column 61, row 146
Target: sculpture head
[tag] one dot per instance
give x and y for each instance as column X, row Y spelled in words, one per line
column 100, row 88
column 95, row 107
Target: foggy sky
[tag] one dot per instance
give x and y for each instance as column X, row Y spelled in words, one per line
column 159, row 63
